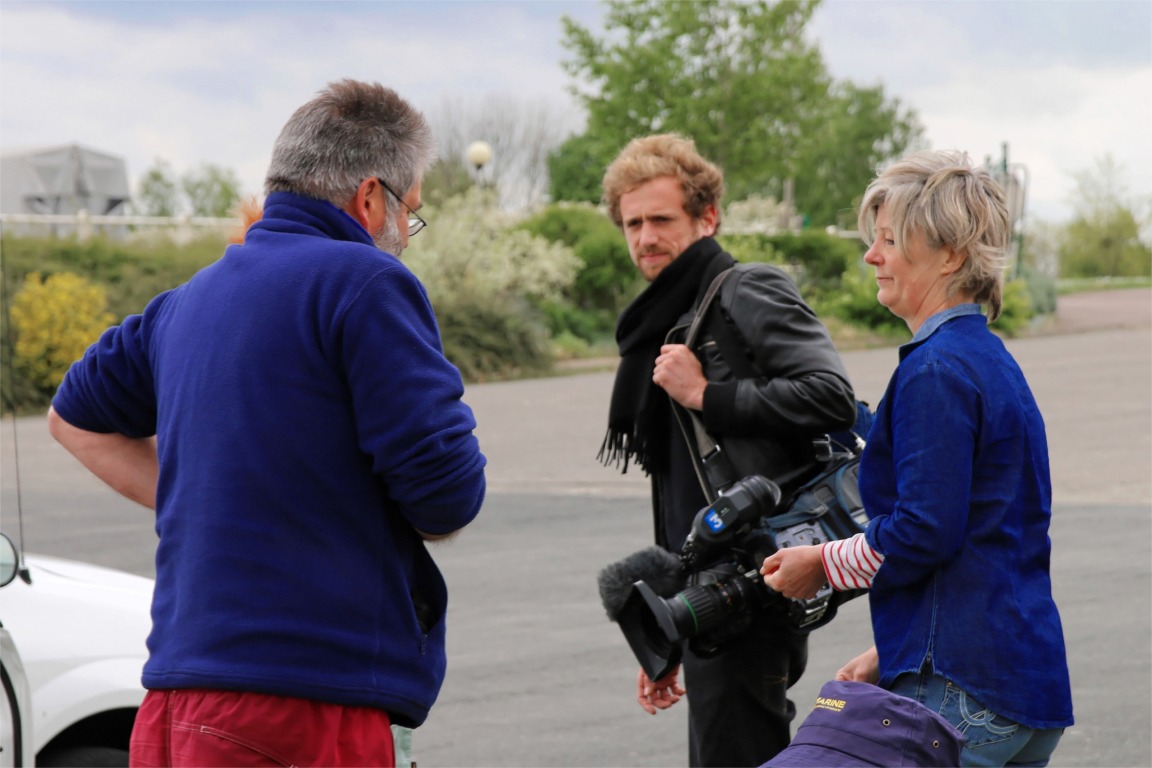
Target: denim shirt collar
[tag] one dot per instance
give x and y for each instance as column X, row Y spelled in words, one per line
column 935, row 321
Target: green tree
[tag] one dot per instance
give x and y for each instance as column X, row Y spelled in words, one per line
column 859, row 129
column 158, row 193
column 741, row 80
column 576, row 168
column 211, row 190
column 1104, row 237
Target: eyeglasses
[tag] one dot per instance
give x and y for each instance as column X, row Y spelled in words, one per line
column 415, row 223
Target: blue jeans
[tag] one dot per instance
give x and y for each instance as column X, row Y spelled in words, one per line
column 993, row 740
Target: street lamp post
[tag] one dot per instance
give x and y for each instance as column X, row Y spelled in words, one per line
column 1014, row 178
column 478, row 154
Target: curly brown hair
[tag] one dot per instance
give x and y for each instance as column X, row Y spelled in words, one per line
column 665, row 154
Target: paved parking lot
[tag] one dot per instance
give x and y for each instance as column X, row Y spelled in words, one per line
column 537, row 674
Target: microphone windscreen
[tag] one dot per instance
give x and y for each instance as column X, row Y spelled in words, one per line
column 657, row 567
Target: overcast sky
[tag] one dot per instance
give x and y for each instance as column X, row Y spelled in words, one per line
column 1063, row 82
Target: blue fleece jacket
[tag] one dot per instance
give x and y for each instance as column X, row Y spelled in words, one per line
column 955, row 478
column 308, row 426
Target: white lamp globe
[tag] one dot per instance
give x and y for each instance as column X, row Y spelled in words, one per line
column 478, row 154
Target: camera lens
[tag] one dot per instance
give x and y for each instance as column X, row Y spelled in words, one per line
column 698, row 609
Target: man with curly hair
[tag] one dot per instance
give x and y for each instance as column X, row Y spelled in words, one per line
column 764, row 405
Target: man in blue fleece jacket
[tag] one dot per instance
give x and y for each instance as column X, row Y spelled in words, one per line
column 291, row 417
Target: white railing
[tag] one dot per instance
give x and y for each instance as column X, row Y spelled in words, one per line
column 847, row 234
column 772, row 228
column 183, row 228
column 84, row 225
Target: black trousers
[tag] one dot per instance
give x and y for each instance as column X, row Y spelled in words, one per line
column 739, row 714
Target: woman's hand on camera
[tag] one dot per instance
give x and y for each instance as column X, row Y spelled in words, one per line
column 796, row 572
column 660, row 694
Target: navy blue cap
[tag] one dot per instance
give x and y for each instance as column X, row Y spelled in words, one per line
column 857, row 724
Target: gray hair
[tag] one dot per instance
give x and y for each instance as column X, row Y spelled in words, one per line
column 940, row 195
column 351, row 131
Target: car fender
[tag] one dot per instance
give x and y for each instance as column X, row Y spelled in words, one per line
column 84, row 691
column 15, row 708
column 81, row 630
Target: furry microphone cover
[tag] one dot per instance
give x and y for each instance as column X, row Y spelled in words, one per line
column 658, row 568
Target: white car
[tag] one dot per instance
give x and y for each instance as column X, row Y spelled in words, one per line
column 72, row 648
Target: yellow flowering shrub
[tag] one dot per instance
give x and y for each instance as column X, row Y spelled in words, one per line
column 54, row 320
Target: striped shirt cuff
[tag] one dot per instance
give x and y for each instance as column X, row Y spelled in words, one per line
column 850, row 563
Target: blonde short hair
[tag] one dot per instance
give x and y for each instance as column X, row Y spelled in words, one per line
column 942, row 196
column 654, row 157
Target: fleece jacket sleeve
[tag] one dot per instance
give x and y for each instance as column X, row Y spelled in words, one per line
column 407, row 396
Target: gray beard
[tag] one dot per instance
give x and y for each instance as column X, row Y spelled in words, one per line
column 387, row 238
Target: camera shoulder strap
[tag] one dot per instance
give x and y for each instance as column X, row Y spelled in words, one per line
column 704, row 305
column 733, row 348
column 713, row 470
column 704, row 441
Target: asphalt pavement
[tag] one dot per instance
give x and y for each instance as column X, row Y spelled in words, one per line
column 538, row 676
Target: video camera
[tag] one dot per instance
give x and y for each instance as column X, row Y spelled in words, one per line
column 712, row 590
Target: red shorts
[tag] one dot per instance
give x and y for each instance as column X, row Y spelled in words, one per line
column 193, row 727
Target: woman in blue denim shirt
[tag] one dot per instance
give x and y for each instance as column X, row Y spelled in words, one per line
column 955, row 480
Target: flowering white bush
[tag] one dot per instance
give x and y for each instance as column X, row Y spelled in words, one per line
column 763, row 215
column 470, row 252
column 486, row 279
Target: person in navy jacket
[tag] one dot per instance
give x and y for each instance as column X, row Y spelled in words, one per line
column 291, row 417
column 955, row 479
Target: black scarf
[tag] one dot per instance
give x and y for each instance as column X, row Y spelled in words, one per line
column 639, row 417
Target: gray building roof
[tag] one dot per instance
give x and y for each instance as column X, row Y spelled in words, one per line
column 62, row 179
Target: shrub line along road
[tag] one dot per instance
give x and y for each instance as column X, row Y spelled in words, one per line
column 537, row 674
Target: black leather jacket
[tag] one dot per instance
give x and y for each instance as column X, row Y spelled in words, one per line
column 765, row 423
